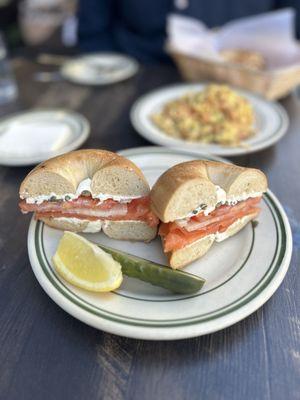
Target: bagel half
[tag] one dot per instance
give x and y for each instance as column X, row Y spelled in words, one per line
column 199, row 196
column 120, row 230
column 109, row 173
column 90, row 191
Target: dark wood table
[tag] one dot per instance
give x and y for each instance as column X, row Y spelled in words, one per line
column 47, row 354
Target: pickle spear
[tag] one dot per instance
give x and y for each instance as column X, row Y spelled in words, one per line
column 156, row 274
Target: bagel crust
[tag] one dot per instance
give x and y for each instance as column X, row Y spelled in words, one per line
column 186, row 186
column 192, row 187
column 186, row 255
column 104, row 175
column 120, row 230
column 109, row 172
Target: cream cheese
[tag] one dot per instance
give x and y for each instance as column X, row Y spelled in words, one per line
column 41, row 198
column 220, row 236
column 194, row 212
column 120, row 199
column 221, row 200
column 92, row 226
column 84, row 186
column 232, row 200
column 221, row 195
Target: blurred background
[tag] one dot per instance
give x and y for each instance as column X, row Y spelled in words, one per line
column 60, row 53
column 93, row 25
column 33, row 23
column 54, row 98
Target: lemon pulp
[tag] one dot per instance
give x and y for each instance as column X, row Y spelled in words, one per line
column 85, row 265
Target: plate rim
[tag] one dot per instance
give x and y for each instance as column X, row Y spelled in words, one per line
column 222, row 151
column 25, row 161
column 70, row 78
column 171, row 333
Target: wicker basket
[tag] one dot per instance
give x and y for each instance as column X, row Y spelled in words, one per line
column 270, row 84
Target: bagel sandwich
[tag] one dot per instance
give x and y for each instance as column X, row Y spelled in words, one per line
column 90, row 191
column 200, row 202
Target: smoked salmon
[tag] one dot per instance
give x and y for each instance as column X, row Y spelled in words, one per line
column 85, row 207
column 180, row 233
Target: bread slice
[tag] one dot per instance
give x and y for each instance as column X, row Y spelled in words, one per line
column 110, row 174
column 129, row 230
column 250, row 59
column 120, row 230
column 184, row 187
column 70, row 224
column 186, row 255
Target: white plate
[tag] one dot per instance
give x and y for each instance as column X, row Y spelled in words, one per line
column 241, row 273
column 271, row 122
column 74, row 130
column 99, row 68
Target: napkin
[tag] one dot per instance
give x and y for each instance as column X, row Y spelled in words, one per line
column 33, row 138
column 271, row 34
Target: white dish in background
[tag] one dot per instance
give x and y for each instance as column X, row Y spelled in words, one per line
column 99, row 68
column 241, row 273
column 31, row 137
column 271, row 122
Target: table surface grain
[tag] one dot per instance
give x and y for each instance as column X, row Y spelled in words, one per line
column 47, row 354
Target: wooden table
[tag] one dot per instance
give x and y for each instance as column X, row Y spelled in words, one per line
column 47, row 354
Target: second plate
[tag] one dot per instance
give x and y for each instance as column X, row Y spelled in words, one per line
column 271, row 122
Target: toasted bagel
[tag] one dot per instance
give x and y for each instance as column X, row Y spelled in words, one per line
column 182, row 188
column 109, row 175
column 186, row 255
column 109, row 172
column 192, row 187
column 120, row 230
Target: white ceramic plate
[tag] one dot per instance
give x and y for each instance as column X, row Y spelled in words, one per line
column 99, row 68
column 271, row 122
column 241, row 273
column 70, row 129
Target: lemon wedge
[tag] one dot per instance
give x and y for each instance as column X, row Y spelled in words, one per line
column 85, row 265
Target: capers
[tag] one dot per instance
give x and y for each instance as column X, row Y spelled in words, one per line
column 52, row 198
column 203, row 206
column 195, row 211
column 68, row 198
column 85, row 193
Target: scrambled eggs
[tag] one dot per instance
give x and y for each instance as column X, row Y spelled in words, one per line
column 215, row 115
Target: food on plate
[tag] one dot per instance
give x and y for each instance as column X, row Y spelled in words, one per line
column 156, row 274
column 90, row 191
column 247, row 58
column 99, row 268
column 85, row 265
column 216, row 114
column 200, row 202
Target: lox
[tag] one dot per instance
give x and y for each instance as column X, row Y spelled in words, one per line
column 197, row 202
column 90, row 191
column 200, row 202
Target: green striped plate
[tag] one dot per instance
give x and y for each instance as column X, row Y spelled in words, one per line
column 241, row 273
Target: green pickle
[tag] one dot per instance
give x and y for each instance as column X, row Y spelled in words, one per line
column 156, row 274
